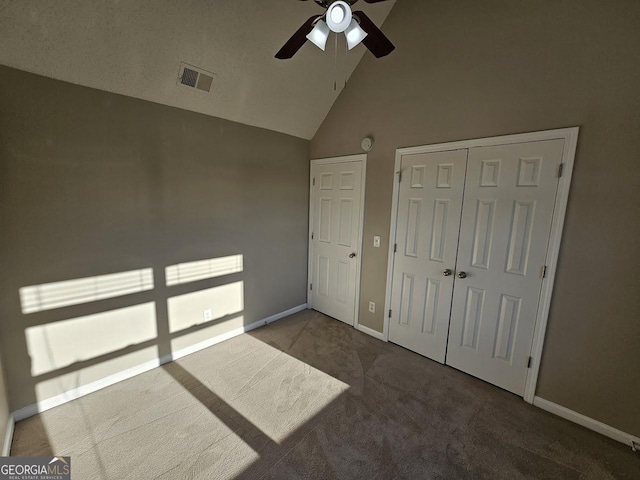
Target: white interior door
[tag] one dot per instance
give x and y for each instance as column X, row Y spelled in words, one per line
column 336, row 237
column 429, row 209
column 506, row 221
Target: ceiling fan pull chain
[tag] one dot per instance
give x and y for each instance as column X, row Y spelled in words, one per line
column 335, row 67
column 346, row 64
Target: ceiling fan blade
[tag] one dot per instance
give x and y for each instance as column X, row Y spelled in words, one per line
column 375, row 1
column 376, row 41
column 297, row 40
column 323, row 3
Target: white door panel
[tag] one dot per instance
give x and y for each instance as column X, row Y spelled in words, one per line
column 430, row 204
column 504, row 234
column 337, row 221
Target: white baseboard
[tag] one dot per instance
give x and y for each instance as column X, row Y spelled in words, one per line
column 234, row 333
column 8, row 438
column 590, row 423
column 371, row 331
column 75, row 393
column 68, row 396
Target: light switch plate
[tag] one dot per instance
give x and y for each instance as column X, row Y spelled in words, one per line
column 376, row 241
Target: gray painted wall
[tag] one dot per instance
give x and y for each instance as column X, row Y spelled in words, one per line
column 467, row 69
column 4, row 409
column 93, row 183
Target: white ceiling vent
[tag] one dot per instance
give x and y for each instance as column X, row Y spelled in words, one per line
column 195, row 78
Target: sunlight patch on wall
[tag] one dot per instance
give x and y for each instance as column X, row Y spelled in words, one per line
column 186, row 343
column 48, row 296
column 71, row 385
column 57, row 345
column 202, row 269
column 191, row 309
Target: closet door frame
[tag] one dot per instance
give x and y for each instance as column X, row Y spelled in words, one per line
column 570, row 137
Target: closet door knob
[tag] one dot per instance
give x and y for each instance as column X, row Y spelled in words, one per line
column 448, row 272
column 462, row 274
column 353, row 255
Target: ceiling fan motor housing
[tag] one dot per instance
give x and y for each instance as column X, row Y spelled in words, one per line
column 339, row 16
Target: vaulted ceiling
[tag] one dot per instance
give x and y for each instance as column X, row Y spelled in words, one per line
column 135, row 48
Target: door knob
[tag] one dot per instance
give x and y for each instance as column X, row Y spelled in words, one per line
column 462, row 274
column 447, row 272
column 353, row 255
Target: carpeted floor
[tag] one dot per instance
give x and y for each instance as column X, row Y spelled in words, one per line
column 311, row 398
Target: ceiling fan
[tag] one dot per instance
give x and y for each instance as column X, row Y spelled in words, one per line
column 339, row 18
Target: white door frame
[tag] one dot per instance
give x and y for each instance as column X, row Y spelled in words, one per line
column 362, row 158
column 570, row 136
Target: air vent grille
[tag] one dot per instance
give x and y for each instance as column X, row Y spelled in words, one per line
column 189, row 77
column 195, row 78
column 204, row 82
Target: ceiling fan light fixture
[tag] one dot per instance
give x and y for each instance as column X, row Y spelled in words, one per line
column 319, row 35
column 355, row 34
column 339, row 16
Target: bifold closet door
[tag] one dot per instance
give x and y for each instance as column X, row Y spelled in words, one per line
column 509, row 199
column 429, row 209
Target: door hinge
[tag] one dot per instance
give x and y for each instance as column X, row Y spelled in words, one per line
column 311, row 286
column 314, row 181
column 389, row 313
column 529, row 362
column 311, row 235
column 395, row 248
column 560, row 170
column 543, row 272
column 400, row 177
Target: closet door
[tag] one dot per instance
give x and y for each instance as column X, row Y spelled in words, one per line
column 429, row 209
column 509, row 199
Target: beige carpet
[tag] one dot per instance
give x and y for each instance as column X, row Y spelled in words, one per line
column 309, row 397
